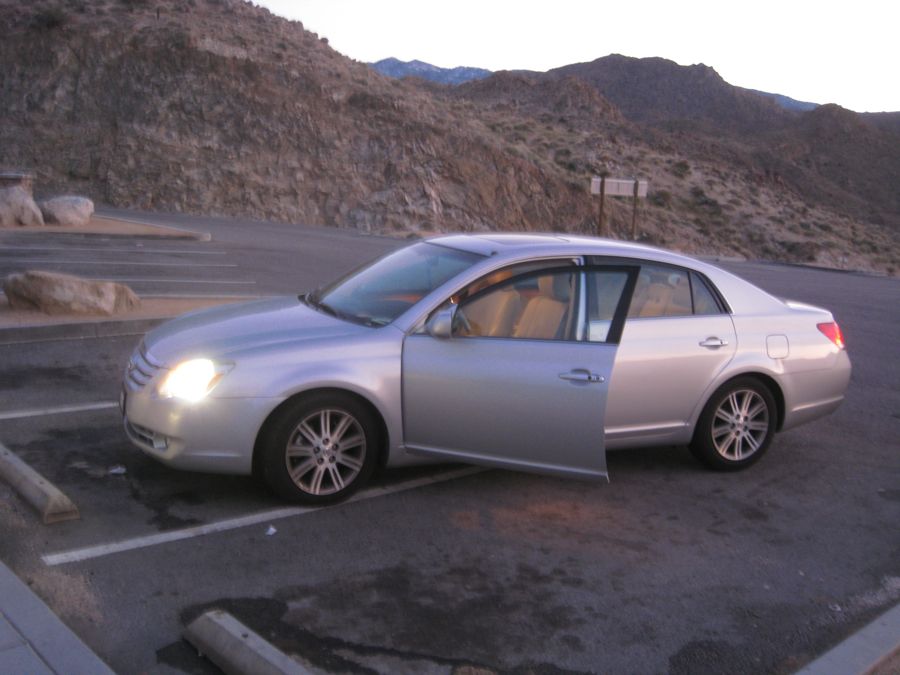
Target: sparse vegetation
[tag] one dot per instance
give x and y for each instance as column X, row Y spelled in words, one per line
column 660, row 198
column 49, row 18
column 704, row 202
column 681, row 169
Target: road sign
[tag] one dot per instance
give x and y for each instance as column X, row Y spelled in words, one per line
column 618, row 187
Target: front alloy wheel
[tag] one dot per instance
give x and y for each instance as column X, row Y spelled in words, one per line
column 737, row 425
column 320, row 450
column 325, row 452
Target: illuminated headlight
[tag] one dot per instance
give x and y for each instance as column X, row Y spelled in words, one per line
column 192, row 380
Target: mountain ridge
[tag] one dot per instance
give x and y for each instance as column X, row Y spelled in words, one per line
column 393, row 67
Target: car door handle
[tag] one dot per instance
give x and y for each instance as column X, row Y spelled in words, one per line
column 713, row 342
column 582, row 376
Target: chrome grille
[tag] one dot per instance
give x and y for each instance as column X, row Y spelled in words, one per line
column 141, row 369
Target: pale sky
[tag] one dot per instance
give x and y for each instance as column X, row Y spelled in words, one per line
column 820, row 51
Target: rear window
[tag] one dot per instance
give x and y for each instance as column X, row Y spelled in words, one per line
column 663, row 291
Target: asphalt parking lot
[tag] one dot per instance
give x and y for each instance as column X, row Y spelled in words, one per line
column 270, row 259
column 668, row 568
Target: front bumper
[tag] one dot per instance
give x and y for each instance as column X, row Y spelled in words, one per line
column 214, row 435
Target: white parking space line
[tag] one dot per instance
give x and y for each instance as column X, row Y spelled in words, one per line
column 167, row 280
column 217, row 296
column 109, row 250
column 77, row 555
column 53, row 261
column 39, row 412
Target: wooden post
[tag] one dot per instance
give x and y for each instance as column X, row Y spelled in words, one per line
column 634, row 213
column 600, row 228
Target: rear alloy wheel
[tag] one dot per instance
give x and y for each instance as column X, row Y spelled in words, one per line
column 736, row 426
column 320, row 450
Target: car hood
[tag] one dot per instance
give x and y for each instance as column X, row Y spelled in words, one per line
column 222, row 331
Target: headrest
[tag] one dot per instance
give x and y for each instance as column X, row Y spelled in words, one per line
column 556, row 286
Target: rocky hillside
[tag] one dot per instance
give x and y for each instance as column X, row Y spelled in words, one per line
column 730, row 193
column 845, row 161
column 219, row 107
column 842, row 159
column 533, row 94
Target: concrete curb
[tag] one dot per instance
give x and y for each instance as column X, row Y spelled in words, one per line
column 236, row 649
column 864, row 651
column 83, row 330
column 49, row 638
column 43, row 496
column 174, row 232
column 165, row 231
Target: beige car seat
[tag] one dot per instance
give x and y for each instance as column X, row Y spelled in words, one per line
column 543, row 315
column 493, row 314
column 656, row 300
column 659, row 298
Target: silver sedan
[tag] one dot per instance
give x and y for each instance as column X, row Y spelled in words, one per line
column 527, row 352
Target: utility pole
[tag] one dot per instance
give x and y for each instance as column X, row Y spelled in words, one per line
column 601, row 230
column 634, row 213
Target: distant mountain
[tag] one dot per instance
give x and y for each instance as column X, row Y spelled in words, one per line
column 786, row 101
column 396, row 68
column 662, row 93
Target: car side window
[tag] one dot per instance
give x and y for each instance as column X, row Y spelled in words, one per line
column 661, row 291
column 705, row 302
column 604, row 293
column 538, row 305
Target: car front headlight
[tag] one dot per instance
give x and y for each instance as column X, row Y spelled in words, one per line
column 192, row 380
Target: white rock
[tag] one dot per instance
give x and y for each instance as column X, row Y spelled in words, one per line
column 18, row 208
column 67, row 210
column 54, row 293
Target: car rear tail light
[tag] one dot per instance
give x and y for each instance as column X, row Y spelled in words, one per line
column 833, row 332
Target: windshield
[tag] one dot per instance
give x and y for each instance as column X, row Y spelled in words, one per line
column 380, row 292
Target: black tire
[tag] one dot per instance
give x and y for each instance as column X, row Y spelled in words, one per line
column 737, row 425
column 320, row 449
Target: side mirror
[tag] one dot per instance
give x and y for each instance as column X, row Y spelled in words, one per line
column 440, row 324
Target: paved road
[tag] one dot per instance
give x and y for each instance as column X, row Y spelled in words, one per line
column 669, row 568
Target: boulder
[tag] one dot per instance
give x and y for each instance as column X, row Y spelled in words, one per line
column 54, row 293
column 67, row 210
column 18, row 208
